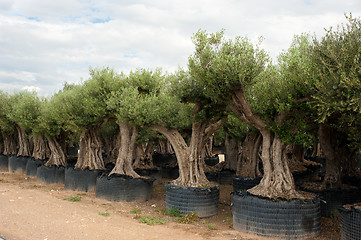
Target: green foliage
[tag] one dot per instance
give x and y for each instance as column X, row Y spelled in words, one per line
column 153, row 220
column 74, row 199
column 210, row 227
column 188, row 218
column 172, row 211
column 6, row 124
column 136, row 211
column 24, row 109
column 105, row 214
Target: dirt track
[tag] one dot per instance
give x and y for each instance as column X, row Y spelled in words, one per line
column 33, row 210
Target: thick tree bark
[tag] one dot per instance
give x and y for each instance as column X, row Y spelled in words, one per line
column 277, row 180
column 112, row 149
column 249, row 158
column 190, row 158
column 126, row 155
column 9, row 144
column 294, row 153
column 209, row 147
column 23, row 141
column 57, row 156
column 231, row 156
column 143, row 156
column 90, row 150
column 328, row 141
column 39, row 151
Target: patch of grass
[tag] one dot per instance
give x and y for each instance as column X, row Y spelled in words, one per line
column 81, row 194
column 153, row 220
column 106, row 214
column 188, row 218
column 74, row 199
column 136, row 211
column 173, row 212
column 210, row 227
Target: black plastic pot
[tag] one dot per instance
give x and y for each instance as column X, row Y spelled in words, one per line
column 211, row 161
column 122, row 188
column 32, row 166
column 4, row 163
column 81, row 180
column 350, row 223
column 17, row 164
column 276, row 218
column 201, row 201
column 164, row 159
column 244, row 183
column 169, row 172
column 331, row 199
column 150, row 172
column 70, row 162
column 53, row 174
column 226, row 176
column 212, row 176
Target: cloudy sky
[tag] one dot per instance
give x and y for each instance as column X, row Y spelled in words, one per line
column 45, row 43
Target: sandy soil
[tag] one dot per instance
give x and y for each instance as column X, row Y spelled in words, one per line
column 34, row 210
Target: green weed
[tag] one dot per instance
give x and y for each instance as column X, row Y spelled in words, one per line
column 173, row 212
column 153, row 220
column 74, row 199
column 188, row 218
column 106, row 214
column 210, row 227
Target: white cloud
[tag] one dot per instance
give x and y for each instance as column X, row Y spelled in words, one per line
column 47, row 43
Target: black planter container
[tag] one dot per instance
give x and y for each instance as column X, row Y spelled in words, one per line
column 53, row 174
column 201, row 201
column 169, row 172
column 244, row 183
column 331, row 199
column 212, row 176
column 4, row 163
column 280, row 219
column 150, row 172
column 81, row 180
column 32, row 166
column 164, row 159
column 211, row 161
column 226, row 176
column 122, row 188
column 17, row 164
column 350, row 223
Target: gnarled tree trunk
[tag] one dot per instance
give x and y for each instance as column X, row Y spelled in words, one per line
column 9, row 143
column 248, row 164
column 231, row 156
column 39, row 151
column 57, row 155
column 294, row 153
column 328, row 141
column 190, row 158
column 112, row 147
column 124, row 163
column 209, row 147
column 90, row 150
column 23, row 141
column 277, row 181
column 143, row 156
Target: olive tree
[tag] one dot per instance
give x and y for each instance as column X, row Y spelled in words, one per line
column 235, row 72
column 7, row 127
column 24, row 110
column 200, row 114
column 337, row 95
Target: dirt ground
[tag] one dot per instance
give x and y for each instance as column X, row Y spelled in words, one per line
column 33, row 210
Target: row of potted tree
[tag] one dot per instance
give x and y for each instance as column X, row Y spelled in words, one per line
column 311, row 94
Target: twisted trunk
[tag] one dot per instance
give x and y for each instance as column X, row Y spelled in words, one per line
column 124, row 163
column 24, row 147
column 249, row 159
column 9, row 143
column 112, row 149
column 277, row 180
column 39, row 151
column 295, row 156
column 143, row 156
column 190, row 158
column 328, row 142
column 90, row 150
column 209, row 147
column 57, row 155
column 231, row 157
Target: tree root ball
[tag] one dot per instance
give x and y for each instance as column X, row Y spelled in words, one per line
column 276, row 218
column 122, row 188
